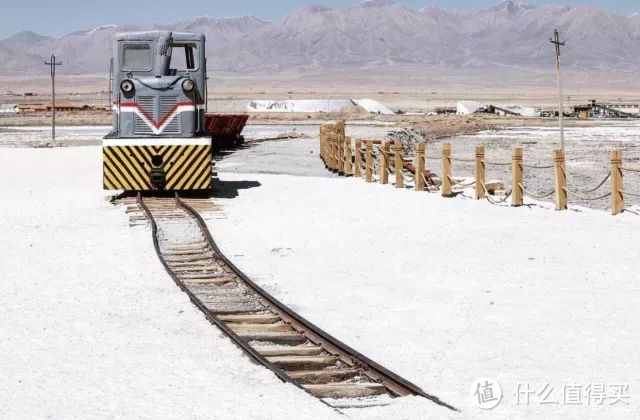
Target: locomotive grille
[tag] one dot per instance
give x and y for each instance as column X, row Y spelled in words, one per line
column 147, row 103
column 158, row 114
column 167, row 105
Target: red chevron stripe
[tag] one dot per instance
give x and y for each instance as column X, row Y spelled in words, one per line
column 156, row 124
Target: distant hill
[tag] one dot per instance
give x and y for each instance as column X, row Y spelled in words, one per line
column 374, row 34
column 24, row 40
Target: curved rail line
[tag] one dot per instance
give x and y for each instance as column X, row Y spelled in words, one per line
column 269, row 332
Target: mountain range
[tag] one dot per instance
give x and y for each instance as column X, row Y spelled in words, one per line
column 374, row 34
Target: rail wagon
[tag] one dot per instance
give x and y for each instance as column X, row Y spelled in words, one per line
column 159, row 139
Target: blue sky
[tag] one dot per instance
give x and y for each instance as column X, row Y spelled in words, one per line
column 60, row 17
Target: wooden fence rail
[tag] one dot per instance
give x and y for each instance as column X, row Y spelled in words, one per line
column 341, row 154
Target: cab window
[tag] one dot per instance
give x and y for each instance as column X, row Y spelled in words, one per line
column 136, row 57
column 184, row 57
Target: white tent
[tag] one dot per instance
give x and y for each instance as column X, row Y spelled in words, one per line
column 317, row 105
column 373, row 106
column 7, row 109
column 299, row 105
column 524, row 111
column 469, row 107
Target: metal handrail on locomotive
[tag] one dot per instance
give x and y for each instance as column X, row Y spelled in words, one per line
column 160, row 138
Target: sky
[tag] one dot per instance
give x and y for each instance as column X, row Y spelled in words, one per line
column 60, row 17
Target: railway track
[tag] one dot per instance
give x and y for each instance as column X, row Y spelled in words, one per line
column 266, row 330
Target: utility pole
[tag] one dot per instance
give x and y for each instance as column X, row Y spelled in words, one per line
column 556, row 41
column 110, row 103
column 53, row 63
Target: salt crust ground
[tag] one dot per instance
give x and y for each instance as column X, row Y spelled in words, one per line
column 442, row 291
column 90, row 324
column 446, row 291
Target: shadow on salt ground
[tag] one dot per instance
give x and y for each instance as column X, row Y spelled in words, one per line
column 221, row 189
column 222, row 152
column 227, row 151
column 230, row 189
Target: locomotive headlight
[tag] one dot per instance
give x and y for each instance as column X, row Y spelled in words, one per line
column 127, row 86
column 188, row 85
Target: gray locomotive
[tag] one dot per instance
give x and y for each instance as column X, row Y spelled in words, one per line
column 159, row 90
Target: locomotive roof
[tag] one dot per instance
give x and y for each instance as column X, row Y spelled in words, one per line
column 155, row 35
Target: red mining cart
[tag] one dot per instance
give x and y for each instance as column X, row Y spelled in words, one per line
column 225, row 129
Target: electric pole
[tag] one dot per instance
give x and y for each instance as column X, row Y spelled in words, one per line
column 53, row 64
column 556, row 41
column 110, row 104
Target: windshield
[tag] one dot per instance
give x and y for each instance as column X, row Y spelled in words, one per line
column 184, row 57
column 136, row 57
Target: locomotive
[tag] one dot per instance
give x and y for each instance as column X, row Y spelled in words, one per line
column 161, row 136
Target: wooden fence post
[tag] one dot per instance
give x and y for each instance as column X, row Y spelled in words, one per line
column 322, row 142
column 419, row 175
column 358, row 153
column 332, row 148
column 446, row 170
column 399, row 162
column 340, row 153
column 384, row 162
column 336, row 155
column 369, row 162
column 560, row 178
column 340, row 128
column 480, row 173
column 327, row 147
column 617, row 183
column 348, row 156
column 516, row 174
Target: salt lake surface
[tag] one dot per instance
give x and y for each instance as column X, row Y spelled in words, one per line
column 92, row 135
column 587, row 148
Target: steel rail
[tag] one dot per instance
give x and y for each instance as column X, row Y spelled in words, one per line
column 396, row 385
column 210, row 315
column 393, row 382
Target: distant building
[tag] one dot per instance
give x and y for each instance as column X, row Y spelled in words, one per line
column 547, row 112
column 443, row 110
column 597, row 110
column 28, row 108
column 474, row 107
column 583, row 112
column 626, row 108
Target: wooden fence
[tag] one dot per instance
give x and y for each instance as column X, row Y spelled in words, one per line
column 376, row 160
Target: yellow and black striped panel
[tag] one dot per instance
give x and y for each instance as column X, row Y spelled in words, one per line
column 128, row 168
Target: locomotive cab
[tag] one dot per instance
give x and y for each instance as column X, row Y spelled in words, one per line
column 158, row 87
